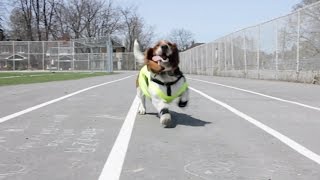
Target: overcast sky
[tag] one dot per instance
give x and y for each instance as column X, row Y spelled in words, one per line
column 208, row 19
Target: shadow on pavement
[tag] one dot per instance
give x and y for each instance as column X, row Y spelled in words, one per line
column 186, row 120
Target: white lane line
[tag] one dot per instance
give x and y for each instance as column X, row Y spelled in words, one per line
column 289, row 142
column 113, row 166
column 36, row 75
column 260, row 94
column 7, row 77
column 11, row 116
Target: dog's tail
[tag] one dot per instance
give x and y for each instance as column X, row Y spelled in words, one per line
column 137, row 52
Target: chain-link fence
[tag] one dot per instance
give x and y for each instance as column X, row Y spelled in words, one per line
column 286, row 48
column 82, row 54
column 124, row 61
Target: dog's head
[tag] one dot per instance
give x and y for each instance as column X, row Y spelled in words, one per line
column 164, row 56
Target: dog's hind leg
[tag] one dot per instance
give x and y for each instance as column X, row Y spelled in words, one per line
column 142, row 101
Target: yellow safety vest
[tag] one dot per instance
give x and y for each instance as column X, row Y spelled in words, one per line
column 144, row 83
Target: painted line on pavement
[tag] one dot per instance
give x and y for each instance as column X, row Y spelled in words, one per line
column 11, row 116
column 289, row 142
column 113, row 166
column 7, row 77
column 260, row 94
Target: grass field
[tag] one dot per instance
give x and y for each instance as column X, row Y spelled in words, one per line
column 13, row 78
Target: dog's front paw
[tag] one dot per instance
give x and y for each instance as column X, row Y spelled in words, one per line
column 142, row 110
column 182, row 103
column 165, row 118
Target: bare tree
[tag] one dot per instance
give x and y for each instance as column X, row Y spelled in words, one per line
column 2, row 9
column 43, row 12
column 53, row 19
column 59, row 26
column 17, row 24
column 131, row 25
column 86, row 18
column 304, row 3
column 134, row 28
column 48, row 9
column 182, row 37
column 108, row 21
column 309, row 28
column 80, row 14
column 93, row 7
column 26, row 10
column 36, row 9
column 146, row 37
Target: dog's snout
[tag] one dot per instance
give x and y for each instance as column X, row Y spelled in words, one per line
column 164, row 47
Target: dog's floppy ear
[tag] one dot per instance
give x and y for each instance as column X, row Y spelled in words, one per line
column 174, row 57
column 148, row 55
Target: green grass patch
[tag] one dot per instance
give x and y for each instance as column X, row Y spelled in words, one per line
column 13, row 78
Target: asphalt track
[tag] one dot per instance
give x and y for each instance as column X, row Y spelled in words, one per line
column 88, row 129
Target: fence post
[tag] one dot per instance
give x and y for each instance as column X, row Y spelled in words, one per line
column 202, row 67
column 298, row 44
column 109, row 53
column 201, row 60
column 73, row 56
column 29, row 65
column 197, row 60
column 107, row 56
column 219, row 57
column 277, row 50
column 207, row 59
column 225, row 54
column 13, row 57
column 191, row 61
column 135, row 63
column 90, row 68
column 232, row 56
column 245, row 52
column 58, row 55
column 204, row 62
column 190, row 65
column 214, row 57
column 43, row 54
column 258, row 50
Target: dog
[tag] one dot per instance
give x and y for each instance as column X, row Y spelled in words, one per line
column 160, row 79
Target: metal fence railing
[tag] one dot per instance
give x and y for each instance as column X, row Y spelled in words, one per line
column 285, row 48
column 125, row 61
column 62, row 55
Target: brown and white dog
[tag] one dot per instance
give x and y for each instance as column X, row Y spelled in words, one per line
column 161, row 79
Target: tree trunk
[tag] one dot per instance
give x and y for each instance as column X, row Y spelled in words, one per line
column 27, row 15
column 36, row 8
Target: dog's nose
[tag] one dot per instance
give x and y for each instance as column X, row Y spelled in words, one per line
column 164, row 47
